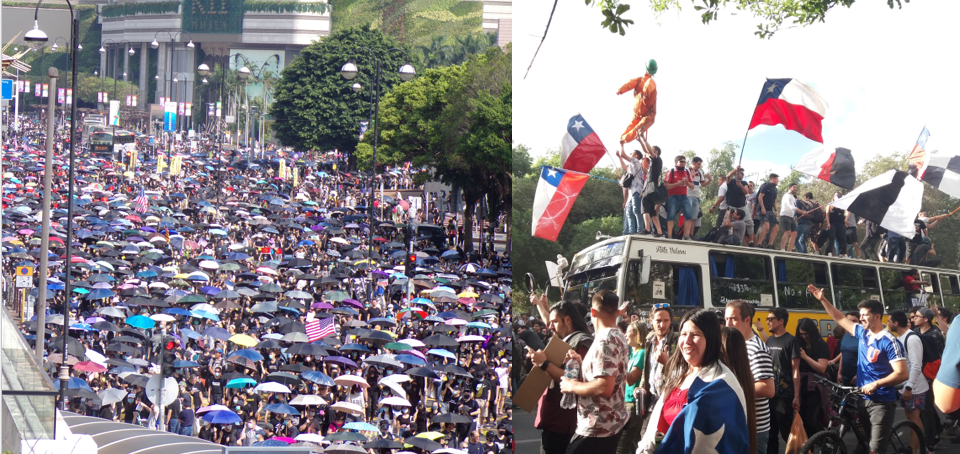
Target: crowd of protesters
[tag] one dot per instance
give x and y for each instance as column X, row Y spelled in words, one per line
column 285, row 328
column 637, row 388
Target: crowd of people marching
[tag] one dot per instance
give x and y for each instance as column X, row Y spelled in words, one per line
column 284, row 331
column 655, row 198
column 644, row 383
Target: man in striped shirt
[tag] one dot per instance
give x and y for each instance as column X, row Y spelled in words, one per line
column 738, row 315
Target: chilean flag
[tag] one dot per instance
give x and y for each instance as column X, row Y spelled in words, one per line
column 714, row 419
column 790, row 103
column 581, row 147
column 835, row 166
column 556, row 192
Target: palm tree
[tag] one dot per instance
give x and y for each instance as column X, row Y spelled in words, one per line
column 438, row 53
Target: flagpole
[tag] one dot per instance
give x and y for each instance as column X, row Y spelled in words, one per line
column 744, row 145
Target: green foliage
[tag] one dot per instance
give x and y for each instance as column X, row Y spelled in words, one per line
column 314, row 107
column 522, row 163
column 133, row 9
column 412, row 22
column 252, row 6
column 50, row 6
column 88, row 85
column 774, row 14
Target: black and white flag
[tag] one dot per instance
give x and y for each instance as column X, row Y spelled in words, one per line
column 943, row 173
column 891, row 199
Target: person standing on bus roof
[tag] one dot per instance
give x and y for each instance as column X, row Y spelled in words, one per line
column 700, row 180
column 788, row 217
column 767, row 204
column 785, row 352
column 633, row 165
column 678, row 180
column 736, row 198
column 721, row 202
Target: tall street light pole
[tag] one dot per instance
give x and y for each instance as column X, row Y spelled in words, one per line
column 204, row 71
column 38, row 35
column 349, row 71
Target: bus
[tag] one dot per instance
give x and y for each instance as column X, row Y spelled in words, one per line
column 692, row 275
column 107, row 142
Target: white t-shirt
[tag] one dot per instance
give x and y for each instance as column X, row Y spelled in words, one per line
column 635, row 168
column 788, row 205
column 722, row 192
column 697, row 177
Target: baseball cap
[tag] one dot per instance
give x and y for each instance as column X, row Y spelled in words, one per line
column 926, row 313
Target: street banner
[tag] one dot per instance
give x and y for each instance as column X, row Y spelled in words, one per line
column 170, row 117
column 134, row 100
column 46, row 90
column 189, row 110
column 181, row 108
column 129, row 100
column 99, row 96
column 219, row 109
column 36, row 91
column 69, row 96
column 61, row 93
column 114, row 118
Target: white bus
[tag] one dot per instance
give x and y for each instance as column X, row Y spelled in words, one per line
column 689, row 274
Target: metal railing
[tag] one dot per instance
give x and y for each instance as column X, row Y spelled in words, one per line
column 28, row 392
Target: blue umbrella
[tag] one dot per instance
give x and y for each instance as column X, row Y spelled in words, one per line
column 147, row 274
column 184, row 363
column 241, row 382
column 449, row 254
column 282, row 408
column 441, row 352
column 99, row 294
column 177, row 311
column 319, row 378
column 139, row 321
column 221, row 417
column 411, row 359
column 76, row 383
column 121, row 369
column 190, row 333
column 361, row 426
column 354, row 347
column 205, row 314
column 216, row 333
column 271, row 443
column 251, row 354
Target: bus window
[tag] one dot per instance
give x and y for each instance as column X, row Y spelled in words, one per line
column 853, row 284
column 931, row 291
column 671, row 283
column 582, row 287
column 793, row 276
column 950, row 287
column 895, row 296
column 740, row 277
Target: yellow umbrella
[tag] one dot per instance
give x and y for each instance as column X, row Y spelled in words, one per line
column 182, row 276
column 467, row 295
column 430, row 435
column 128, row 174
column 243, row 340
column 8, row 174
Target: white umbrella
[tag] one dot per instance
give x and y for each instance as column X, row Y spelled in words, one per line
column 159, row 285
column 206, row 308
column 163, row 318
column 111, row 396
column 271, row 387
column 92, row 355
column 415, row 343
column 209, row 264
column 395, row 378
column 347, row 407
column 158, row 239
column 395, row 401
column 455, row 322
column 449, row 451
column 471, row 338
column 312, row 438
column 308, row 399
column 111, row 311
column 350, row 380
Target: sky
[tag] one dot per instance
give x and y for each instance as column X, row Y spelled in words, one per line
column 885, row 73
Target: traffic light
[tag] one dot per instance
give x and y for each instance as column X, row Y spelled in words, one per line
column 168, row 357
column 411, row 265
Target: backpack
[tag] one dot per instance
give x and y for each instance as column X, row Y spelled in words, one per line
column 816, row 217
column 931, row 356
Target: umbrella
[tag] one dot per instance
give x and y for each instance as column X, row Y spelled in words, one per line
column 139, row 321
column 241, row 382
column 89, row 366
column 383, row 444
column 282, row 409
column 111, row 396
column 422, row 372
column 347, row 436
column 395, row 401
column 423, row 443
column 271, row 387
column 319, row 378
column 343, row 448
column 312, row 438
column 221, row 417
column 346, row 407
column 451, row 418
column 285, row 378
column 440, row 340
column 308, row 399
column 361, row 426
column 244, row 340
column 350, row 380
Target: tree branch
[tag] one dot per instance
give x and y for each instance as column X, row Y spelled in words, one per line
column 542, row 39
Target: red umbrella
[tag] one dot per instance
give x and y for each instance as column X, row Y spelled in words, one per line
column 89, row 366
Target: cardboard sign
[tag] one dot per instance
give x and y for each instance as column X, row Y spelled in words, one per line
column 537, row 380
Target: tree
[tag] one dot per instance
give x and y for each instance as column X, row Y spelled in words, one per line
column 314, row 108
column 88, row 85
column 522, row 163
column 774, row 14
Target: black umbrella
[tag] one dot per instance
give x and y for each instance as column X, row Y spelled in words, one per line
column 422, row 372
column 284, row 377
column 76, row 349
column 423, row 443
column 384, row 444
column 269, row 343
column 439, row 340
column 451, row 418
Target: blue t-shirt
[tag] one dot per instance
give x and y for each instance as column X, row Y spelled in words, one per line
column 877, row 352
column 950, row 362
column 849, row 347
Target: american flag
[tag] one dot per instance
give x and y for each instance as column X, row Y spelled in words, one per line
column 140, row 203
column 318, row 329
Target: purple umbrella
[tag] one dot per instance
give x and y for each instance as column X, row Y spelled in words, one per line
column 353, row 302
column 321, row 305
column 340, row 360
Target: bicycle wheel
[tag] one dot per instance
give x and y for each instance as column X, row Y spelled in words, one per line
column 824, row 442
column 900, row 438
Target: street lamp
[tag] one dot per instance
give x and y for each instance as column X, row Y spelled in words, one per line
column 173, row 47
column 349, row 71
column 38, row 35
column 204, row 70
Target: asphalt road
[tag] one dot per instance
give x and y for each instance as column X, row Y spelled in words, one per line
column 528, row 437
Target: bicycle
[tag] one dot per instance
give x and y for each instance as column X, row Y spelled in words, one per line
column 845, row 401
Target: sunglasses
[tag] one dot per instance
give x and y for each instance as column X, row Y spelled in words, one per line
column 661, row 306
